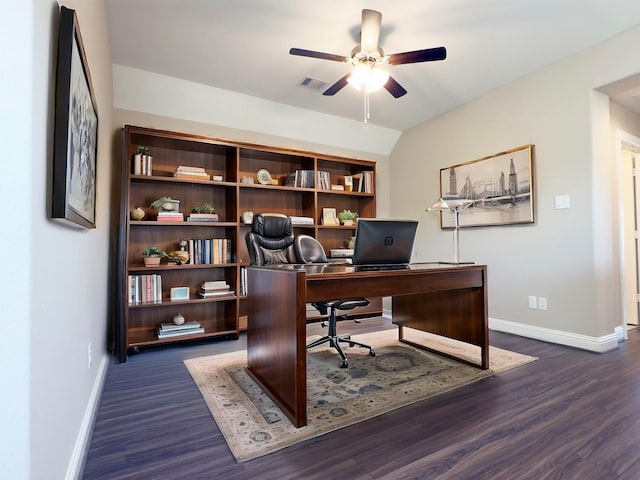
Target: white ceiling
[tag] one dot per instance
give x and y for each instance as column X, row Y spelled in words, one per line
column 243, row 46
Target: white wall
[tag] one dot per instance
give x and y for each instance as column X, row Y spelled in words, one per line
column 568, row 256
column 54, row 281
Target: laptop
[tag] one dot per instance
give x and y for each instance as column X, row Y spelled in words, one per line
column 383, row 243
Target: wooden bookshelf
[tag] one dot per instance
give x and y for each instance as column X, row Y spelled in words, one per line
column 231, row 196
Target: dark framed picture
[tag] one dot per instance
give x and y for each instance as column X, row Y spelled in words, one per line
column 498, row 189
column 75, row 130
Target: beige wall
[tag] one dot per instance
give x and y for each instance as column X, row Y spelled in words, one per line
column 568, row 256
column 61, row 272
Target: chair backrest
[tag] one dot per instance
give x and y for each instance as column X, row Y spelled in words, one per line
column 309, row 250
column 270, row 239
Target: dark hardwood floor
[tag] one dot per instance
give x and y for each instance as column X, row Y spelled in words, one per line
column 570, row 415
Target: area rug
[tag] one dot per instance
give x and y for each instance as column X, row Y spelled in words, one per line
column 397, row 376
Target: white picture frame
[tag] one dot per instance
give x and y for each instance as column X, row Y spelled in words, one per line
column 329, row 217
column 179, row 294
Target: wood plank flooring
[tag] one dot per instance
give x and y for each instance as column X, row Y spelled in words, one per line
column 570, row 415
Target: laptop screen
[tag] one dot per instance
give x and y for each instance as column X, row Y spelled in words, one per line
column 382, row 241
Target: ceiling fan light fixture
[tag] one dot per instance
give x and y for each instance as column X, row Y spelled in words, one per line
column 371, row 78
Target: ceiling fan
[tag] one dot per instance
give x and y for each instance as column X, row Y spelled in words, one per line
column 370, row 62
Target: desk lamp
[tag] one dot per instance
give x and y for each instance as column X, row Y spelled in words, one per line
column 456, row 207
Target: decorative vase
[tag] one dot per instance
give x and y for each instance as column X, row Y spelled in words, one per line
column 178, row 319
column 137, row 213
column 153, row 261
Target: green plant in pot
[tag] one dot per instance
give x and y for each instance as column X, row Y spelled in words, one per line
column 166, row 204
column 204, row 208
column 347, row 217
column 152, row 256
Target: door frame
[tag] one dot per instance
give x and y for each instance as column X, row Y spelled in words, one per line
column 624, row 140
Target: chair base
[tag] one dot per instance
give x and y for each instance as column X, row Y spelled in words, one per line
column 334, row 341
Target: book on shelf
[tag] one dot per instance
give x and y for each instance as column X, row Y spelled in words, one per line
column 179, row 333
column 215, row 293
column 170, row 217
column 145, row 288
column 324, row 180
column 215, row 285
column 173, row 330
column 214, row 251
column 301, row 220
column 172, row 327
column 202, row 217
column 300, row 178
column 194, row 173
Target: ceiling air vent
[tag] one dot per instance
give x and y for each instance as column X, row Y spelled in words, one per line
column 313, row 84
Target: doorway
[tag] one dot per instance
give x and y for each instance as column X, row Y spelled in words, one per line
column 629, row 207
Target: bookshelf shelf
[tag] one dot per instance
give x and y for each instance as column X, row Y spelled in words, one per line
column 234, row 164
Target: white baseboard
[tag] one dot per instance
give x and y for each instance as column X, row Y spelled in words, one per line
column 79, row 454
column 569, row 339
column 593, row 344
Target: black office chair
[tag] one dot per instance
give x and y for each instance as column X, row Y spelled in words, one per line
column 270, row 240
column 309, row 250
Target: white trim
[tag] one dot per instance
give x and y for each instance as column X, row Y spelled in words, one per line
column 593, row 344
column 81, row 448
column 623, row 139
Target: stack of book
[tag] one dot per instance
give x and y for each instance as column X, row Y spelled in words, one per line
column 202, row 217
column 166, row 330
column 301, row 220
column 170, row 217
column 216, row 288
column 191, row 173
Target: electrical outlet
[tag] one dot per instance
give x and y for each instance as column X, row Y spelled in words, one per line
column 533, row 302
column 89, row 355
column 542, row 303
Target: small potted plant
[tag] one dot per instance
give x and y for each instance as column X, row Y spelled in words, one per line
column 152, row 256
column 166, row 204
column 204, row 208
column 347, row 217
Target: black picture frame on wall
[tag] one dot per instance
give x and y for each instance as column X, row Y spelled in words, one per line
column 75, row 130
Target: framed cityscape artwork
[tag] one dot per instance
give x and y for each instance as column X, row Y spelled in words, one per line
column 496, row 190
column 75, row 130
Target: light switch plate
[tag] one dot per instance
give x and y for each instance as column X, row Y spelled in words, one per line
column 562, row 201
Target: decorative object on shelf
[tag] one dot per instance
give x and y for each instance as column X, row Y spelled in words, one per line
column 351, row 242
column 142, row 163
column 247, row 217
column 178, row 319
column 500, row 187
column 264, row 177
column 203, row 213
column 75, row 135
column 455, row 207
column 179, row 256
column 166, row 204
column 179, row 293
column 329, row 217
column 347, row 217
column 152, row 256
column 204, row 208
column 247, row 180
column 137, row 213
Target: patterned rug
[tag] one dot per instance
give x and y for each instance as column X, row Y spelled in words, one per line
column 397, row 376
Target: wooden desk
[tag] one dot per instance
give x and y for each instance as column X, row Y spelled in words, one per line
column 443, row 299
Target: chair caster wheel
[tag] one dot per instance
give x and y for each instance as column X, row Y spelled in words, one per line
column 351, row 344
column 344, row 364
column 372, row 352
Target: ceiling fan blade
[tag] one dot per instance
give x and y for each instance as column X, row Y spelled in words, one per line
column 426, row 55
column 336, row 87
column 370, row 30
column 394, row 88
column 323, row 56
